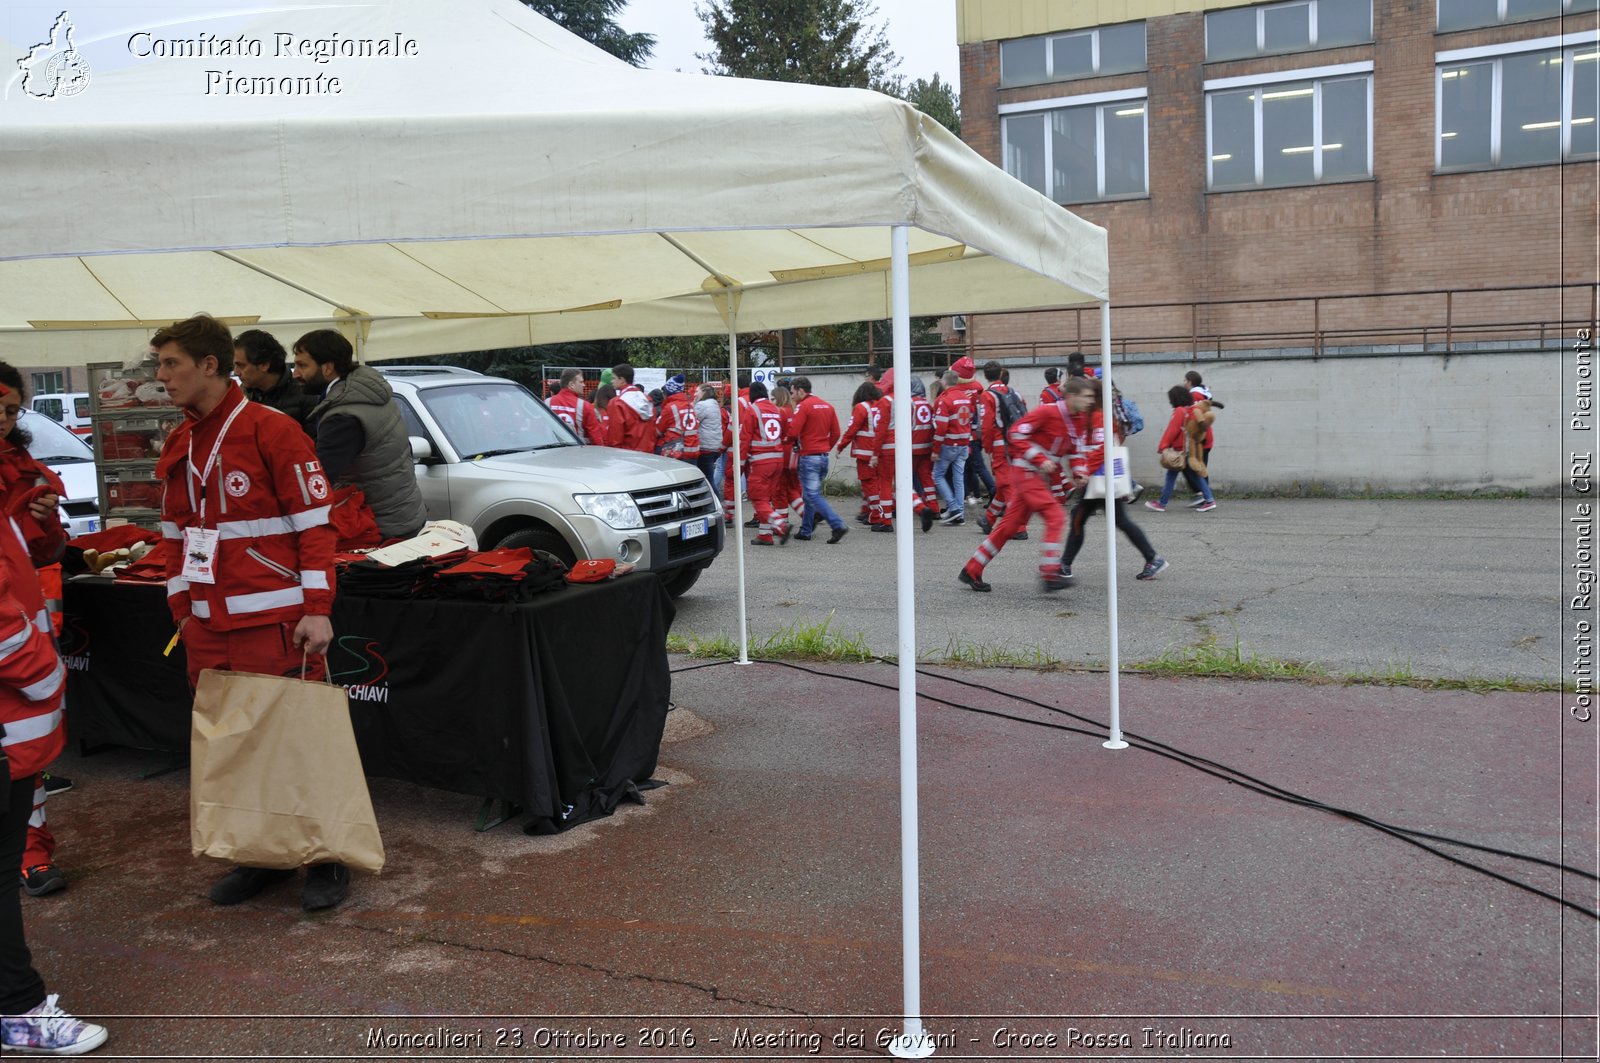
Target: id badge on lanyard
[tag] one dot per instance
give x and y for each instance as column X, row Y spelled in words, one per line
column 200, row 544
column 200, row 555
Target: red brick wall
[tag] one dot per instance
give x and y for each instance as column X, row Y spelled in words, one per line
column 1406, row 229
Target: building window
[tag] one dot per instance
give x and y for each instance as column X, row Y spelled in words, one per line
column 49, row 384
column 1242, row 32
column 1080, row 54
column 1268, row 134
column 1079, row 153
column 1517, row 109
column 1468, row 14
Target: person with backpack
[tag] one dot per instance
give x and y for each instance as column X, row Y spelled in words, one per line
column 1052, row 387
column 1002, row 409
column 1086, row 426
column 1176, row 438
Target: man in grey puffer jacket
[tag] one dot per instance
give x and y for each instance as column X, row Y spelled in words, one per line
column 361, row 439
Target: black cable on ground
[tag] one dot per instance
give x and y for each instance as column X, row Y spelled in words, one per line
column 1219, row 771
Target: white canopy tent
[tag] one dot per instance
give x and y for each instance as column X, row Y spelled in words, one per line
column 435, row 177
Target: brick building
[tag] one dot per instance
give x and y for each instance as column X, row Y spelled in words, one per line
column 1239, row 153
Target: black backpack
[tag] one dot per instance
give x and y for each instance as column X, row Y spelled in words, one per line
column 1010, row 406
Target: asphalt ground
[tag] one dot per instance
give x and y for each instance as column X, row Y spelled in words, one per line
column 1076, row 902
column 1422, row 587
column 1071, row 896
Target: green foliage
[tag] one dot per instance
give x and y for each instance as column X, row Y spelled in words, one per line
column 595, row 22
column 816, row 42
column 938, row 100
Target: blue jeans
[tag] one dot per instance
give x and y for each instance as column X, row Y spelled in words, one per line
column 979, row 481
column 950, row 477
column 1172, row 481
column 813, row 467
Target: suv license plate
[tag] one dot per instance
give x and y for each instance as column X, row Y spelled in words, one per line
column 693, row 529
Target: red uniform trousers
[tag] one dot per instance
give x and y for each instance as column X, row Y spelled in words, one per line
column 40, row 847
column 730, row 484
column 1030, row 494
column 871, row 497
column 765, row 478
column 265, row 650
column 922, row 473
column 1004, row 474
column 789, row 495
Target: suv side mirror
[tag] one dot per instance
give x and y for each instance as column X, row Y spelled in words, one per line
column 421, row 449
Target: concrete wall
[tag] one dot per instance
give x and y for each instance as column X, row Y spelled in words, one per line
column 1487, row 420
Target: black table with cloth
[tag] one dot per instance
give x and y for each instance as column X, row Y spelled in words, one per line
column 556, row 705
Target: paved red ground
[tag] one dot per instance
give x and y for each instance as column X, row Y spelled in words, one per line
column 1075, row 901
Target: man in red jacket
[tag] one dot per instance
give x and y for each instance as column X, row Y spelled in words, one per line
column 250, row 569
column 953, row 418
column 815, row 429
column 631, row 415
column 575, row 411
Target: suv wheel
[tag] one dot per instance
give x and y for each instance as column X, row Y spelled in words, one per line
column 679, row 582
column 540, row 539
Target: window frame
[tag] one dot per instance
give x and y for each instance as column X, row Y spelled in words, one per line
column 1567, row 45
column 55, row 377
column 1099, row 101
column 1317, row 76
column 1568, row 7
column 1312, row 43
column 1093, row 32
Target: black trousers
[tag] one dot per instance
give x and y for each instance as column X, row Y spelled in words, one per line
column 1193, row 479
column 1125, row 524
column 21, row 988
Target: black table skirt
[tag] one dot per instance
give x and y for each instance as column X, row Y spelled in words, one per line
column 556, row 705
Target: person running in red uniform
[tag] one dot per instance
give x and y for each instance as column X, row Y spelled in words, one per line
column 1087, row 428
column 1040, row 445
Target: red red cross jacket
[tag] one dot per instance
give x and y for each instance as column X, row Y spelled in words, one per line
column 866, row 425
column 632, row 420
column 769, row 443
column 1044, row 434
column 268, row 500
column 579, row 415
column 954, row 415
column 677, row 428
column 32, row 677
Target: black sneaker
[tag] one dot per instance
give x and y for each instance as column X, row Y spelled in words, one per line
column 762, row 542
column 1066, row 573
column 1021, row 536
column 242, row 883
column 41, row 879
column 838, row 533
column 862, row 518
column 1152, row 569
column 1056, row 582
column 800, row 537
column 952, row 519
column 753, row 522
column 984, row 525
column 973, row 581
column 56, row 784
column 326, row 886
column 783, row 536
column 883, row 528
column 927, row 519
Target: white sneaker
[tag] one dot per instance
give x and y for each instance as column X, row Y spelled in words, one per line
column 49, row 1031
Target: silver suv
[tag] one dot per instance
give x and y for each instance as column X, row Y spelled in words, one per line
column 492, row 456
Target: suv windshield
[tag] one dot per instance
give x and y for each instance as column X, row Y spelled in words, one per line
column 52, row 444
column 484, row 418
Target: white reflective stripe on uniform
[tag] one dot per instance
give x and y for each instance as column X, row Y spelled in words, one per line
column 315, row 580
column 239, row 604
column 201, row 608
column 42, row 621
column 170, row 530
column 36, row 820
column 177, row 585
column 39, row 795
column 265, row 526
column 17, row 641
column 47, row 687
column 32, row 728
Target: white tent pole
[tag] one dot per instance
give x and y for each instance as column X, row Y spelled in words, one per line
column 1109, row 419
column 733, row 474
column 911, row 1043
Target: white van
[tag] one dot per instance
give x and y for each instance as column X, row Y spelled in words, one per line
column 69, row 409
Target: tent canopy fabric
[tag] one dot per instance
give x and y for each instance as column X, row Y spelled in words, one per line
column 446, row 177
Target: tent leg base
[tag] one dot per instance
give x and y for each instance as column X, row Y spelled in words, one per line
column 489, row 819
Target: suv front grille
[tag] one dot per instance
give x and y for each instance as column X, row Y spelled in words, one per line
column 668, row 505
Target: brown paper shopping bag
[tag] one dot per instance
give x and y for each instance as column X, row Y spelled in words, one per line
column 275, row 777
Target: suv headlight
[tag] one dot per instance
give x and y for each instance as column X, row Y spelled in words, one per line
column 619, row 511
